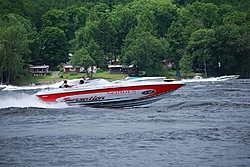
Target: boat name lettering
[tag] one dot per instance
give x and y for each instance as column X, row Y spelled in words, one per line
column 92, row 98
column 121, row 92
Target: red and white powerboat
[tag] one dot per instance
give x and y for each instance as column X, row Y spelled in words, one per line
column 114, row 95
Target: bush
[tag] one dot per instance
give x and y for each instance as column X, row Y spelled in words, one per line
column 73, row 73
column 99, row 70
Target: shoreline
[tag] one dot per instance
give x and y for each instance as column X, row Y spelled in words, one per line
column 43, row 82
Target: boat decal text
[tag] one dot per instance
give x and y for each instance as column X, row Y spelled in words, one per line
column 76, row 99
column 121, row 93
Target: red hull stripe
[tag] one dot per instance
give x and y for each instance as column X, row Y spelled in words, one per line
column 159, row 89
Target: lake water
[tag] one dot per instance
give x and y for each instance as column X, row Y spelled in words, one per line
column 201, row 124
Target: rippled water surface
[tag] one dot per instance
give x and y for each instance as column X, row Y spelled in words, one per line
column 201, row 124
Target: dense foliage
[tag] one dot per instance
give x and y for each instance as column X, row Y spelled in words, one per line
column 205, row 36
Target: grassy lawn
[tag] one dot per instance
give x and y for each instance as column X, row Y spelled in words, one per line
column 73, row 75
column 104, row 75
column 35, row 80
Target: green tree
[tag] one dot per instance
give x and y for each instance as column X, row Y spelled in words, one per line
column 225, row 49
column 31, row 33
column 83, row 59
column 123, row 19
column 95, row 52
column 84, row 35
column 55, row 18
column 76, row 18
column 104, row 37
column 177, row 40
column 15, row 35
column 165, row 56
column 144, row 53
column 55, row 48
column 164, row 16
column 101, row 9
column 207, row 13
column 243, row 49
column 102, row 32
column 186, row 63
column 200, row 46
column 33, row 10
column 14, row 45
column 147, row 23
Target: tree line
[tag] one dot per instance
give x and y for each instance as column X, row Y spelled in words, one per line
column 207, row 36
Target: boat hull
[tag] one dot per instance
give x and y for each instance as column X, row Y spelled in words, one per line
column 115, row 95
column 130, row 103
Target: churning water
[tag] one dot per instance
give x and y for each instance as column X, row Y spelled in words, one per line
column 201, row 124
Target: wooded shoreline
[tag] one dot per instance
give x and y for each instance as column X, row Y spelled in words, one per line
column 211, row 37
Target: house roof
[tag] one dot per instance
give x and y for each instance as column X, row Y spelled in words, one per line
column 44, row 66
column 119, row 66
column 115, row 66
column 70, row 66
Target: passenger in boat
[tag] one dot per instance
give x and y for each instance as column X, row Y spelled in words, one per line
column 65, row 84
column 82, row 80
column 127, row 77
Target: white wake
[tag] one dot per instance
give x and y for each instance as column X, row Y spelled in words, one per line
column 17, row 96
column 21, row 99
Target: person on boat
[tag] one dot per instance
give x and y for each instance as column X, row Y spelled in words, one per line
column 127, row 77
column 82, row 80
column 65, row 84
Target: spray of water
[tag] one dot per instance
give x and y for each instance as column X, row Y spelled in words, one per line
column 18, row 96
column 21, row 99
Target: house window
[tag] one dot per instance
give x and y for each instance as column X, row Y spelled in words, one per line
column 72, row 69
